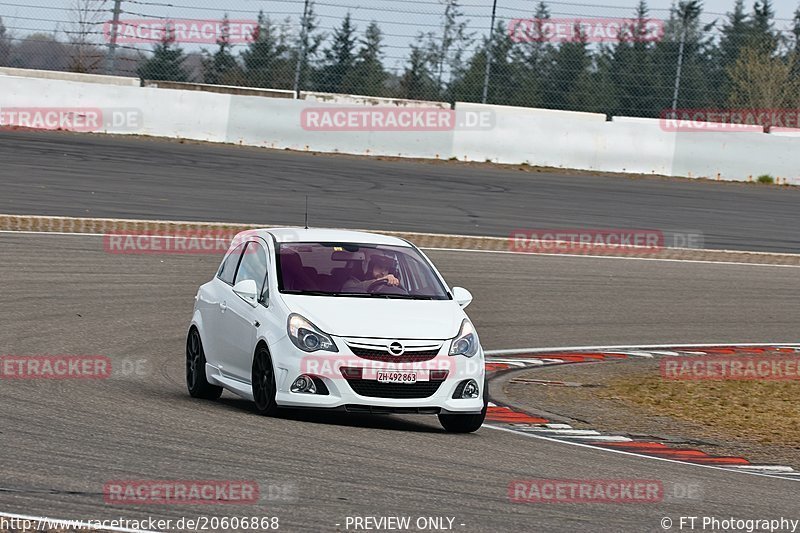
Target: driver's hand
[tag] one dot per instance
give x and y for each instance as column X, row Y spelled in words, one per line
column 391, row 280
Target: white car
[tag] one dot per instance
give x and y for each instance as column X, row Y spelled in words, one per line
column 338, row 320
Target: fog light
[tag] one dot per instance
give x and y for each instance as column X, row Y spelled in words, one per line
column 304, row 384
column 470, row 390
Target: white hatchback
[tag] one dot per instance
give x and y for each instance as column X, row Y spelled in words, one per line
column 336, row 320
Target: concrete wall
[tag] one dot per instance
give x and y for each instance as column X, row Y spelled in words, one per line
column 509, row 135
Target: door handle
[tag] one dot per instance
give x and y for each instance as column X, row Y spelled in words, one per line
column 223, row 306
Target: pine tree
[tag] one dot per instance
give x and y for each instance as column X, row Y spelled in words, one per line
column 265, row 62
column 761, row 34
column 534, row 58
column 697, row 64
column 417, row 82
column 166, row 63
column 368, row 76
column 632, row 69
column 504, row 83
column 734, row 34
column 796, row 31
column 5, row 45
column 340, row 58
column 307, row 46
column 221, row 65
column 567, row 78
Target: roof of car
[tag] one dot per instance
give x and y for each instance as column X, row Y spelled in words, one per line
column 288, row 235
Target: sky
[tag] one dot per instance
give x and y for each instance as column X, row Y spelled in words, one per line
column 400, row 20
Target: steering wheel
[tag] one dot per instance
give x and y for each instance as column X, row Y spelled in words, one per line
column 384, row 284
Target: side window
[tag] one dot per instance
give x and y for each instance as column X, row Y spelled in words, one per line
column 228, row 269
column 254, row 266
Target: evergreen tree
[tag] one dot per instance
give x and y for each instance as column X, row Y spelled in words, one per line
column 5, row 45
column 167, row 61
column 734, row 34
column 534, row 57
column 218, row 68
column 340, row 59
column 265, row 61
column 697, row 81
column 504, row 84
column 417, row 82
column 307, row 46
column 568, row 77
column 761, row 32
column 368, row 76
column 795, row 32
column 632, row 69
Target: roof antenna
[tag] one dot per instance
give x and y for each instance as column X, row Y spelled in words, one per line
column 306, row 211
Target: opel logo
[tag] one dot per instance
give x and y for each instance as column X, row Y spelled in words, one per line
column 396, row 348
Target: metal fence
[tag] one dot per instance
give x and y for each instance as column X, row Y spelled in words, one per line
column 627, row 60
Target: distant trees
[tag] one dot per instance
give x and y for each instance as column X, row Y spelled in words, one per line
column 167, row 61
column 221, row 68
column 5, row 45
column 85, row 20
column 742, row 59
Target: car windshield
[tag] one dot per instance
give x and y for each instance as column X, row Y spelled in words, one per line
column 363, row 270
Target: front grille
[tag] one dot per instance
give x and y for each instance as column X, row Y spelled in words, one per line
column 375, row 389
column 385, row 357
column 377, row 410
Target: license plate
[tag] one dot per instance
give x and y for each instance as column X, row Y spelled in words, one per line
column 396, row 377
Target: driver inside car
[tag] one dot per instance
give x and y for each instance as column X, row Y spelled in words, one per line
column 379, row 269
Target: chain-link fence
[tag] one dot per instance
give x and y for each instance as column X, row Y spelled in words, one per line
column 621, row 60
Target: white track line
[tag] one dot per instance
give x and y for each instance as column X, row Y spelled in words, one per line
column 629, row 258
column 622, row 452
column 639, row 347
column 39, row 523
column 471, row 250
column 574, row 440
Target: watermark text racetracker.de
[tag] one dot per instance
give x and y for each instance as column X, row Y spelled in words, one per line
column 194, row 31
column 614, row 491
column 76, row 119
column 70, row 367
column 210, row 241
column 712, row 368
column 590, row 30
column 394, row 119
column 588, row 240
column 191, row 492
column 738, row 120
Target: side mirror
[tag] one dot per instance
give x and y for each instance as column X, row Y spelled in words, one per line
column 462, row 296
column 247, row 291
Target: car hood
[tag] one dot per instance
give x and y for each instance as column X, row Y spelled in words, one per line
column 378, row 317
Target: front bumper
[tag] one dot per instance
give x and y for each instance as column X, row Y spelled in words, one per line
column 367, row 395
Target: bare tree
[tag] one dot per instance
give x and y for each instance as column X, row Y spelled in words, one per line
column 762, row 80
column 85, row 26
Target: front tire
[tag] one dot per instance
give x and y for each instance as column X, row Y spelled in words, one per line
column 196, row 380
column 263, row 382
column 466, row 423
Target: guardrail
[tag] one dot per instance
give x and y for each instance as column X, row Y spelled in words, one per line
column 536, row 137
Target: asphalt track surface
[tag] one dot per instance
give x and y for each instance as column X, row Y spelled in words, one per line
column 52, row 173
column 61, row 441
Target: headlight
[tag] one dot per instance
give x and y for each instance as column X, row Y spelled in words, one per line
column 466, row 343
column 307, row 336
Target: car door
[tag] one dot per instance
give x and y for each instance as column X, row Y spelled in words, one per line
column 240, row 319
column 211, row 304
